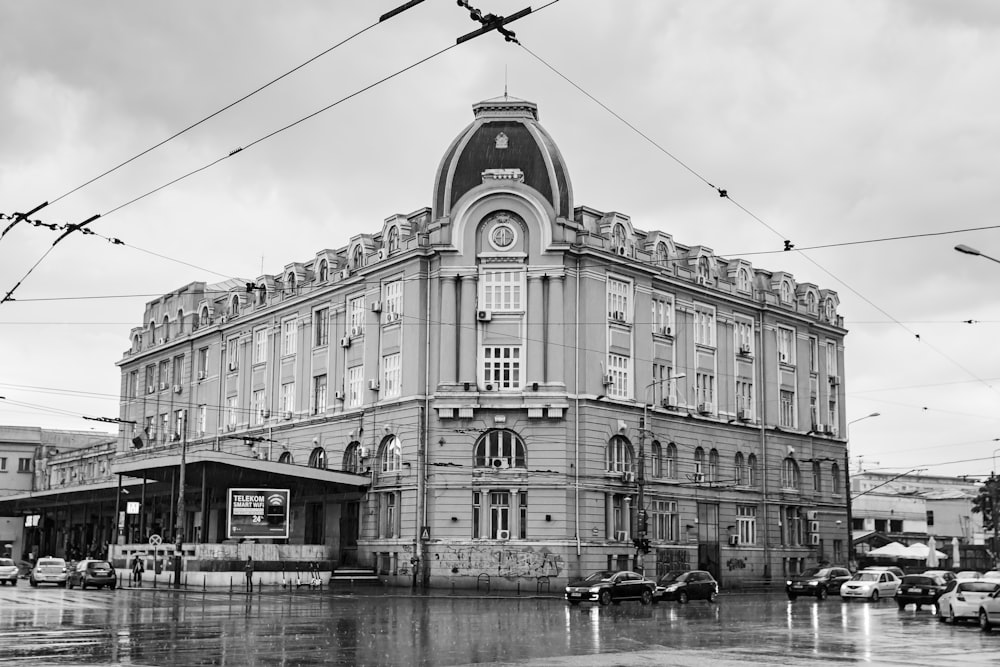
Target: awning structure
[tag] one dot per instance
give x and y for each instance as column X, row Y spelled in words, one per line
column 30, row 501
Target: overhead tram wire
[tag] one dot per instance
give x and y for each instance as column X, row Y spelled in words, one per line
column 723, row 193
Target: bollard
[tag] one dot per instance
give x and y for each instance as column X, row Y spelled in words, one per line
column 519, row 583
column 204, row 577
column 230, row 585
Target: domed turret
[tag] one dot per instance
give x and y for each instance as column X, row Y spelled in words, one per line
column 504, row 141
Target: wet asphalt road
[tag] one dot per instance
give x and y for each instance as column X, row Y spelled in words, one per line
column 53, row 626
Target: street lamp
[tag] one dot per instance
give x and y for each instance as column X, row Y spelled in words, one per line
column 966, row 250
column 641, row 476
column 179, row 526
column 847, row 482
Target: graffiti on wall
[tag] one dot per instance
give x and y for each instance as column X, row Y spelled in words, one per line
column 499, row 561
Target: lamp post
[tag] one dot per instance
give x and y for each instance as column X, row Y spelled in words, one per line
column 966, row 250
column 643, row 520
column 179, row 527
column 847, row 483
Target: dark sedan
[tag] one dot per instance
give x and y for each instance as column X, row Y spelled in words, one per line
column 606, row 587
column 817, row 582
column 96, row 573
column 919, row 589
column 683, row 586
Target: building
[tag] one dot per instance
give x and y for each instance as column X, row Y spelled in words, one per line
column 502, row 385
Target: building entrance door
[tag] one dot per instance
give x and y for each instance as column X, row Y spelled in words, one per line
column 708, row 539
column 315, row 524
column 349, row 533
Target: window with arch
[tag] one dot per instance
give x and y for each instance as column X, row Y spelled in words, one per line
column 152, row 333
column 234, row 306
column 204, row 315
column 286, row 457
column 353, row 459
column 180, row 322
column 165, row 328
column 291, row 288
column 136, row 343
column 699, row 461
column 817, row 476
column 704, row 270
column 358, row 257
column 811, row 303
column 317, row 458
column 713, row 465
column 743, row 283
column 619, row 454
column 739, row 467
column 786, row 292
column 324, row 270
column 828, row 309
column 662, row 256
column 392, row 455
column 670, row 461
column 835, row 479
column 261, row 295
column 499, row 448
column 656, row 450
column 392, row 239
column 752, row 470
column 618, row 235
column 789, row 474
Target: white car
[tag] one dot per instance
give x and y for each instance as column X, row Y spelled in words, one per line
column 8, row 571
column 992, row 575
column 960, row 600
column 870, row 585
column 989, row 610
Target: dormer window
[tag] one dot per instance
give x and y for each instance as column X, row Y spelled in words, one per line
column 234, row 306
column 290, row 282
column 662, row 256
column 358, row 258
column 261, row 295
column 618, row 235
column 811, row 303
column 786, row 292
column 704, row 271
column 204, row 314
column 324, row 271
column 392, row 242
column 828, row 310
column 743, row 280
column 166, row 328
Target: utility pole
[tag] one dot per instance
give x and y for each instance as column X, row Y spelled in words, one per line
column 179, row 528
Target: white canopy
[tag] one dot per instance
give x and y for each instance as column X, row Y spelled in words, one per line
column 891, row 549
column 921, row 552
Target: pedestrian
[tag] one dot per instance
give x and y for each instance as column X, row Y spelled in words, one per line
column 248, row 570
column 137, row 570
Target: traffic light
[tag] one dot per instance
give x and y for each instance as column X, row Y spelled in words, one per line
column 643, row 522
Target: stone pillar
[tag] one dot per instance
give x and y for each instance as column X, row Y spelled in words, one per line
column 534, row 363
column 448, row 328
column 467, row 331
column 557, row 328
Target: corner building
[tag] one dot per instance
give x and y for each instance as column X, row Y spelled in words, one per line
column 501, row 379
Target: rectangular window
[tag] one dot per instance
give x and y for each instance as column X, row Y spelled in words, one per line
column 164, row 374
column 619, row 300
column 619, row 515
column 150, row 379
column 786, row 346
column 881, row 525
column 813, row 355
column 502, row 290
column 792, row 528
column 477, row 513
column 391, row 376
column 3, row 463
column 705, row 390
column 178, row 372
column 832, row 366
column 620, row 384
column 287, row 399
column 664, row 389
column 258, row 407
column 744, row 397
column 289, row 327
column 392, row 301
column 232, row 353
column 165, row 432
column 930, row 518
column 664, row 521
column 133, row 384
column 744, row 337
column 499, row 512
column 522, row 515
column 319, row 394
column 391, row 516
column 356, row 317
column 501, row 367
column 321, row 327
column 838, row 551
column 355, row 386
column 832, row 414
column 202, row 419
column 232, row 411
column 24, row 465
column 203, row 363
column 746, row 523
column 895, row 525
column 260, row 345
column 179, row 425
column 704, row 325
column 787, row 406
column 663, row 315
column 150, row 428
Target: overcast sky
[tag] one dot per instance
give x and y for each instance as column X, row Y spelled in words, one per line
column 832, row 123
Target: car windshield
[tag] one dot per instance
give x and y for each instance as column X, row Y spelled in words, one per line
column 58, row 562
column 597, row 577
column 978, row 586
column 866, row 576
column 99, row 564
column 816, row 572
column 919, row 580
column 6, row 562
column 671, row 577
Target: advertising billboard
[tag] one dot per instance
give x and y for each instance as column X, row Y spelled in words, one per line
column 258, row 513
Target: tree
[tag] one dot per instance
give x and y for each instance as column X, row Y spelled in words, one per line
column 985, row 501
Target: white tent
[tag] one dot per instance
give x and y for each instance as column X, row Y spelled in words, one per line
column 922, row 552
column 933, row 555
column 891, row 549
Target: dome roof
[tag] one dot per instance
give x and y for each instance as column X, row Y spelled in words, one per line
column 506, row 141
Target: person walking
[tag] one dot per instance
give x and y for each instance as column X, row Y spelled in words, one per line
column 248, row 571
column 137, row 570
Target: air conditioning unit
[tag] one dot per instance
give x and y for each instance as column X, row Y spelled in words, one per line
column 355, row 331
column 503, row 534
column 233, row 366
column 814, row 526
column 666, row 331
column 704, row 280
column 706, row 408
column 744, row 415
column 744, row 350
column 382, row 253
column 621, row 535
column 339, row 395
column 159, row 341
column 668, row 403
column 230, row 427
column 363, row 452
column 163, row 385
column 201, row 375
column 812, row 515
column 373, row 385
column 608, row 380
column 828, row 429
column 150, row 389
column 628, row 477
column 489, row 386
column 345, row 274
column 734, row 540
column 782, row 357
column 391, row 316
column 376, row 306
column 287, row 414
column 484, row 315
column 177, row 389
column 618, row 315
column 500, row 463
column 345, row 341
column 265, row 414
column 814, row 540
column 834, row 380
column 699, row 477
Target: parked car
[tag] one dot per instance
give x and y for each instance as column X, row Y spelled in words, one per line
column 947, row 575
column 969, row 574
column 49, row 570
column 817, row 582
column 960, row 601
column 870, row 585
column 989, row 610
column 605, row 587
column 992, row 575
column 96, row 573
column 8, row 571
column 920, row 589
column 685, row 585
column 886, row 568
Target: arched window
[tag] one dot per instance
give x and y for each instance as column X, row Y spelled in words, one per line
column 670, row 462
column 352, row 457
column 261, row 295
column 286, row 457
column 619, row 454
column 743, row 280
column 752, row 470
column 713, row 465
column 662, row 256
column 835, row 472
column 828, row 310
column 786, row 292
column 392, row 455
column 618, row 235
column 234, row 306
column 152, row 333
column 165, row 329
column 811, row 303
column 699, row 461
column 136, row 343
column 499, row 448
column 738, row 467
column 180, row 322
column 817, row 476
column 704, row 271
column 392, row 243
column 317, row 458
column 290, row 285
column 204, row 315
column 358, row 258
column 324, row 270
column 789, row 474
column 657, row 452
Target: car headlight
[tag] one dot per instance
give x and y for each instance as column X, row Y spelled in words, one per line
column 814, row 583
column 788, row 583
column 672, row 587
column 595, row 589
